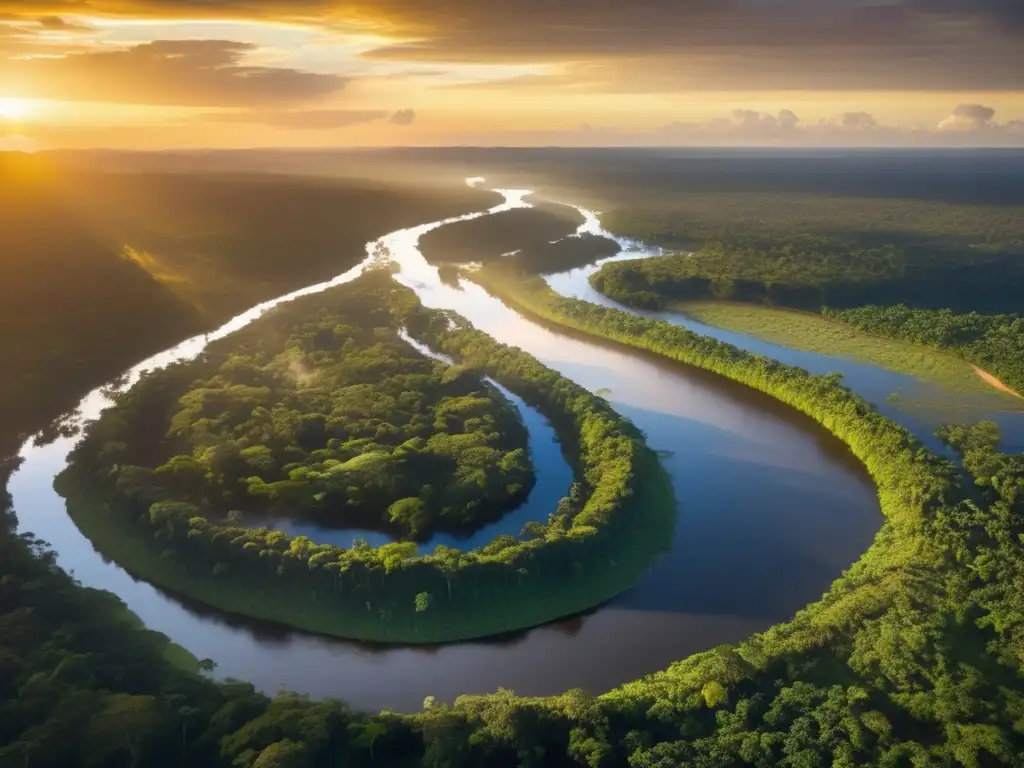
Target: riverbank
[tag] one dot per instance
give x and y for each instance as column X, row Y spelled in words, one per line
column 911, row 481
column 993, row 381
column 595, row 545
column 815, row 333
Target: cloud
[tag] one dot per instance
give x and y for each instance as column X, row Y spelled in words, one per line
column 787, row 119
column 180, row 72
column 659, row 46
column 300, row 119
column 968, row 117
column 59, row 24
column 856, row 121
column 747, row 127
column 403, row 117
column 748, row 122
column 665, row 45
column 16, row 143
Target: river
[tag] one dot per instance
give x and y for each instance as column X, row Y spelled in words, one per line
column 771, row 510
column 921, row 406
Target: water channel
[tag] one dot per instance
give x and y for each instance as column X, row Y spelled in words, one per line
column 771, row 510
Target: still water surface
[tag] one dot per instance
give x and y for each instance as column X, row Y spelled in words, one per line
column 920, row 407
column 771, row 510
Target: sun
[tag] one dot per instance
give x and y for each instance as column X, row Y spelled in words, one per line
column 14, row 109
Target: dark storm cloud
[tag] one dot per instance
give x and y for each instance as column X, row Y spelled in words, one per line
column 403, row 117
column 183, row 72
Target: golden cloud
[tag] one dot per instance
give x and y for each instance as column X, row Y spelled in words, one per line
column 182, row 72
column 661, row 45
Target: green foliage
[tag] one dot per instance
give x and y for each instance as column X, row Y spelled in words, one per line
column 319, row 405
column 423, row 601
column 992, row 342
column 913, row 657
column 714, row 694
column 489, row 238
column 320, row 411
column 809, row 252
column 203, row 247
column 810, row 279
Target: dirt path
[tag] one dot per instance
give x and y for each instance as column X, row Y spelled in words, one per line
column 993, row 381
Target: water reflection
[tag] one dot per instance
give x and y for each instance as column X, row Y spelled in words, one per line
column 921, row 406
column 771, row 508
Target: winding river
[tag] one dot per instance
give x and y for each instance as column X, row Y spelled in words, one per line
column 771, row 510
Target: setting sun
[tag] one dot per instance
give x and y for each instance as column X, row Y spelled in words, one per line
column 14, row 109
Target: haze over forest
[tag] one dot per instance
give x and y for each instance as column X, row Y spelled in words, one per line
column 538, row 383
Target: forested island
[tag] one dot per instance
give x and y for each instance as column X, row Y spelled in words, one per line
column 320, row 410
column 490, row 238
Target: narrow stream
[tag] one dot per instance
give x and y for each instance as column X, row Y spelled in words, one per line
column 771, row 510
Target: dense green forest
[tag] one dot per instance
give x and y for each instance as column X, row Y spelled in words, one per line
column 83, row 684
column 809, row 272
column 992, row 342
column 489, row 238
column 693, row 219
column 913, row 657
column 149, row 509
column 319, row 411
column 836, row 283
column 565, row 254
column 137, row 261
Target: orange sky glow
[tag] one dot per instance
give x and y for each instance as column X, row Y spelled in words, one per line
column 309, row 73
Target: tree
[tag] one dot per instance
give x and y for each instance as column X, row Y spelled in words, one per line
column 411, row 513
column 714, row 694
column 126, row 722
column 283, row 754
column 448, row 559
column 423, row 601
column 367, row 733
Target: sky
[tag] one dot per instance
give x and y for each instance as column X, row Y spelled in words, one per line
column 151, row 74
